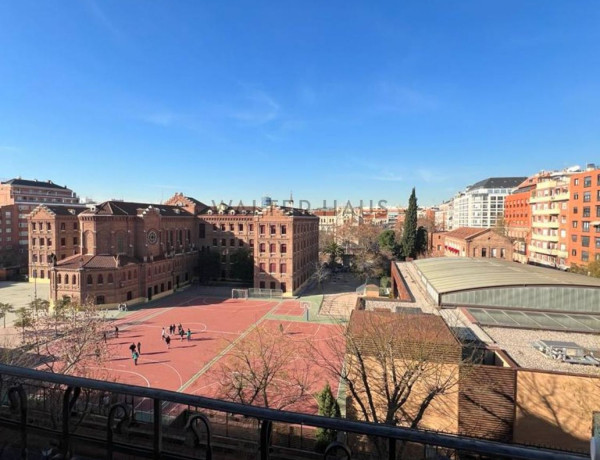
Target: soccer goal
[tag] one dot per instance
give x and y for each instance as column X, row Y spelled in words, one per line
column 239, row 294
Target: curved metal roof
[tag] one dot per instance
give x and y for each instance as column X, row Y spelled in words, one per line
column 451, row 274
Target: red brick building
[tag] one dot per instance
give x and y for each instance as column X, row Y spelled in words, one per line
column 132, row 252
column 517, row 218
column 583, row 229
column 18, row 197
column 477, row 242
column 284, row 241
column 53, row 235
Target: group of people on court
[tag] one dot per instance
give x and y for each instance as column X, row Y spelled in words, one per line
column 180, row 332
column 135, row 351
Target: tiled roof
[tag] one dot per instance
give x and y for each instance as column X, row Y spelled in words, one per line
column 125, row 208
column 498, row 182
column 464, row 233
column 421, row 328
column 89, row 261
column 34, row 183
column 64, row 210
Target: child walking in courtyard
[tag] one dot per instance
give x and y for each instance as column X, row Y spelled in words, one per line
column 168, row 341
column 135, row 356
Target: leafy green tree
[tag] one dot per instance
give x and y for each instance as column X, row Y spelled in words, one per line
column 328, row 407
column 421, row 240
column 409, row 232
column 387, row 241
column 242, row 265
column 591, row 269
column 334, row 251
column 5, row 309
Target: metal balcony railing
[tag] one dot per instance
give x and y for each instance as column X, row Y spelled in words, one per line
column 98, row 419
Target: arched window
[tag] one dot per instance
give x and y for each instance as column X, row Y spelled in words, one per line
column 59, row 279
column 262, row 247
column 284, row 248
column 100, row 279
column 272, row 248
column 89, row 279
column 66, row 279
column 110, row 278
column 74, row 279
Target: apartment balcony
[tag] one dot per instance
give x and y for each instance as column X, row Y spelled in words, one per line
column 547, row 238
column 545, row 212
column 549, row 224
column 80, row 417
column 550, row 252
column 562, row 254
column 549, row 198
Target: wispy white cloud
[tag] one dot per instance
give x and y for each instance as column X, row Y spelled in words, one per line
column 429, row 176
column 401, row 98
column 387, row 176
column 160, row 118
column 102, row 19
column 256, row 108
column 307, row 95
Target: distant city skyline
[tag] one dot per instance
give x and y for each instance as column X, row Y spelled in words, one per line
column 332, row 100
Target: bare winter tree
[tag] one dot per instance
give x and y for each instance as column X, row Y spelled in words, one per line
column 67, row 339
column 263, row 370
column 320, row 274
column 395, row 365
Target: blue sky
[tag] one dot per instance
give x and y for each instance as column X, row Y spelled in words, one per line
column 341, row 100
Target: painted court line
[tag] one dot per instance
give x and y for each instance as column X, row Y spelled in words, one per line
column 223, row 352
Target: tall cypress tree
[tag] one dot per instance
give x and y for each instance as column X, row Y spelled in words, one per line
column 329, row 407
column 409, row 233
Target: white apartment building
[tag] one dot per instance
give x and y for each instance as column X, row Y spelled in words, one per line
column 481, row 205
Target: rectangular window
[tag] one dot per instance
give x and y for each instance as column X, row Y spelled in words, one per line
column 586, row 211
column 214, row 241
column 240, row 227
column 585, row 241
column 261, row 247
column 284, row 229
column 48, row 226
column 587, row 181
column 575, row 210
column 282, row 268
column 223, row 242
column 575, row 196
column 251, row 243
column 63, row 242
column 272, row 267
column 231, row 227
column 75, row 240
column 597, row 242
column 585, row 256
column 574, row 252
column 585, row 226
column 576, row 181
column 597, row 211
column 250, row 227
column 62, row 226
column 202, row 231
column 273, row 229
column 231, row 242
column 574, row 224
column 33, row 225
column 261, row 267
column 574, row 238
column 587, row 197
column 262, row 229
